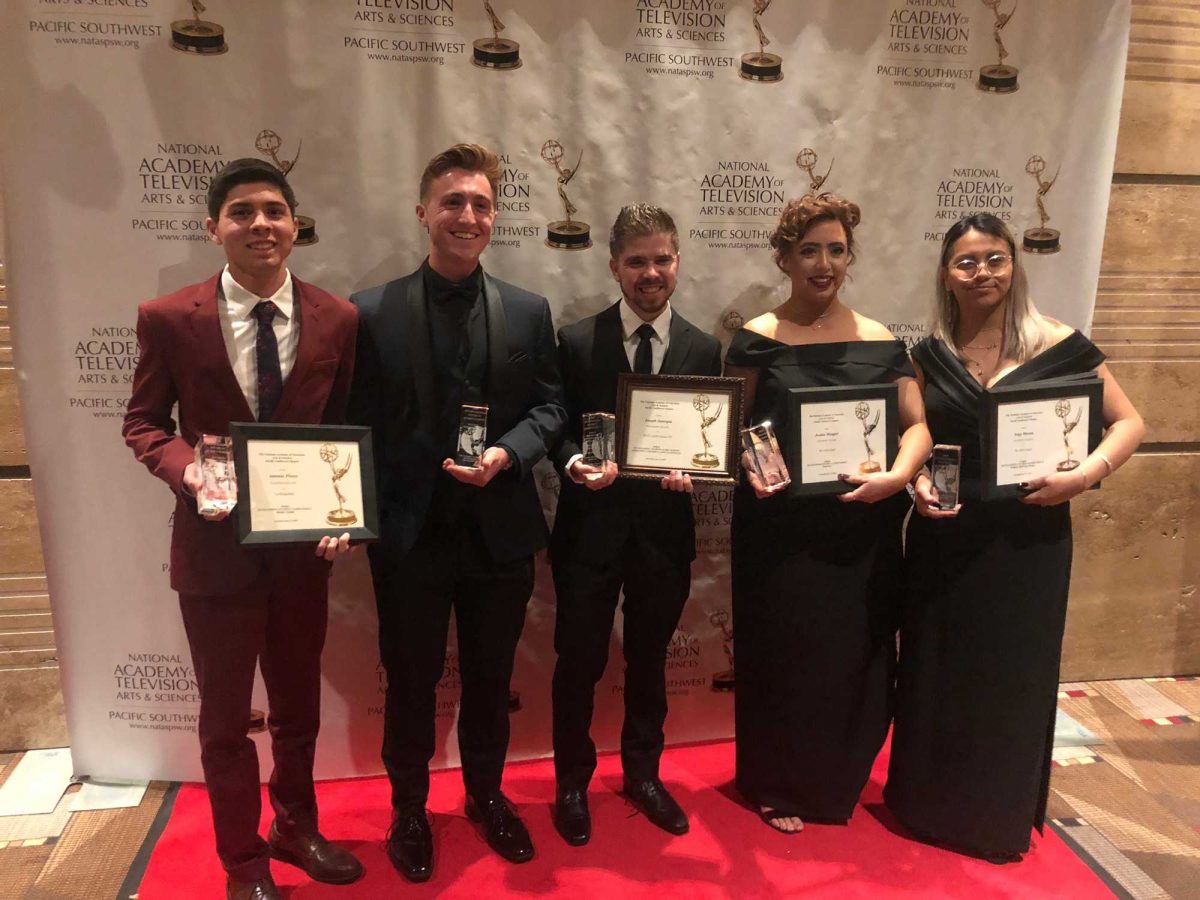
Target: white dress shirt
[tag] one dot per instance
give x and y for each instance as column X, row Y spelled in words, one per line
column 235, row 309
column 631, row 322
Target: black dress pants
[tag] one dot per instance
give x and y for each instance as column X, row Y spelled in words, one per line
column 447, row 567
column 587, row 594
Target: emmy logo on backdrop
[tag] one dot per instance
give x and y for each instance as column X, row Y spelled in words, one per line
column 565, row 234
column 1041, row 239
column 268, row 144
column 806, row 159
column 761, row 66
column 723, row 681
column 341, row 515
column 999, row 78
column 496, row 52
column 195, row 35
column 1062, row 409
column 862, row 410
column 706, row 459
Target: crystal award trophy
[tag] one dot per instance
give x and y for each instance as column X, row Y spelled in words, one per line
column 214, row 458
column 599, row 438
column 944, row 467
column 472, row 435
column 762, row 446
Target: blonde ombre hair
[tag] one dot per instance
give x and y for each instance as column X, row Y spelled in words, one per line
column 1026, row 332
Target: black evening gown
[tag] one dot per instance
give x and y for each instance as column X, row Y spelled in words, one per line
column 816, row 588
column 981, row 635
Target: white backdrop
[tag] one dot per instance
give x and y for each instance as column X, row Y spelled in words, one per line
column 111, row 135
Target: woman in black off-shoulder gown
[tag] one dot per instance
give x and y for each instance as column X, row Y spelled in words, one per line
column 816, row 580
column 987, row 584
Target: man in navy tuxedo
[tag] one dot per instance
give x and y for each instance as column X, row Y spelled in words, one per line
column 453, row 536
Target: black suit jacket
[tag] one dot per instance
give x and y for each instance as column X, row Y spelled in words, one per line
column 394, row 393
column 595, row 525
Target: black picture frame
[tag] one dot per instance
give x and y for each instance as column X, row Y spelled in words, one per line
column 688, row 387
column 1088, row 385
column 793, row 451
column 365, row 530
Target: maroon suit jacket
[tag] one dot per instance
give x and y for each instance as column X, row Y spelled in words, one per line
column 183, row 360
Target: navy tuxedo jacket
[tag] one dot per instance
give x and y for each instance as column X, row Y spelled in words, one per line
column 595, row 525
column 394, row 393
column 183, row 360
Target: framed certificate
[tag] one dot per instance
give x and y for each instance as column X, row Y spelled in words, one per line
column 684, row 422
column 298, row 483
column 1030, row 430
column 847, row 429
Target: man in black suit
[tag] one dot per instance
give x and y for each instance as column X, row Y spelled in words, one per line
column 610, row 534
column 455, row 536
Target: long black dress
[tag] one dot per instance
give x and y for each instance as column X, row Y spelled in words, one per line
column 981, row 637
column 815, row 598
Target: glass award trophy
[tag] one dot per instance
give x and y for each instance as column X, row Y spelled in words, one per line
column 599, row 438
column 214, row 459
column 944, row 467
column 472, row 435
column 760, row 443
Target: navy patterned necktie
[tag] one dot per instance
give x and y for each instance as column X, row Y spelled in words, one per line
column 266, row 351
column 641, row 357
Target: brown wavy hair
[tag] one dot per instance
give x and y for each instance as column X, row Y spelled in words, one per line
column 468, row 157
column 804, row 212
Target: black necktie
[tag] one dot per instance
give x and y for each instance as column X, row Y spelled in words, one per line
column 266, row 351
column 641, row 356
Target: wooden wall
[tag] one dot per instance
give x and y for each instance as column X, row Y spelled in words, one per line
column 1135, row 609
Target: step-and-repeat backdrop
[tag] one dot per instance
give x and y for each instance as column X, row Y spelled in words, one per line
column 116, row 114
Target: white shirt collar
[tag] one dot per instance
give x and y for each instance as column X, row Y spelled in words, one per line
column 241, row 302
column 631, row 321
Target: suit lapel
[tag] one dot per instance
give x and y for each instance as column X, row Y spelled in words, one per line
column 677, row 350
column 497, row 335
column 210, row 344
column 416, row 331
column 608, row 349
column 307, row 309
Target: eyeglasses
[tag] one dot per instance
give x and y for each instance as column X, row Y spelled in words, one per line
column 994, row 264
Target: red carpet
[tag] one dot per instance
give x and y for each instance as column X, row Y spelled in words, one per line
column 729, row 853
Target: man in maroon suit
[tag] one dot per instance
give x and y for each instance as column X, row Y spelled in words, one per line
column 252, row 342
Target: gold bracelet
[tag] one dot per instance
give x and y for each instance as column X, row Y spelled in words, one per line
column 1107, row 464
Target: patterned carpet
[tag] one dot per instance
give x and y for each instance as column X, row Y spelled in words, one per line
column 1131, row 804
column 1127, row 802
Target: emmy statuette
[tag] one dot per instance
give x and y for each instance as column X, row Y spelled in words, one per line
column 1041, row 239
column 195, row 35
column 761, row 66
column 862, row 411
column 999, row 78
column 495, row 52
column 723, row 681
column 565, row 234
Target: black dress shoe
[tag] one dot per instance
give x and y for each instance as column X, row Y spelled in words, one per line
column 504, row 831
column 658, row 806
column 263, row 889
column 409, row 844
column 571, row 817
column 321, row 860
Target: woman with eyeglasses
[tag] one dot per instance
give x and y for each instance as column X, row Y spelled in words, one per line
column 987, row 581
column 816, row 580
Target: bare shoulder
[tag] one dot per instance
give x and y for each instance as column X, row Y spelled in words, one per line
column 870, row 330
column 766, row 324
column 1056, row 331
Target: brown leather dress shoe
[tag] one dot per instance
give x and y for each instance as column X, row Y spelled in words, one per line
column 263, row 889
column 321, row 860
